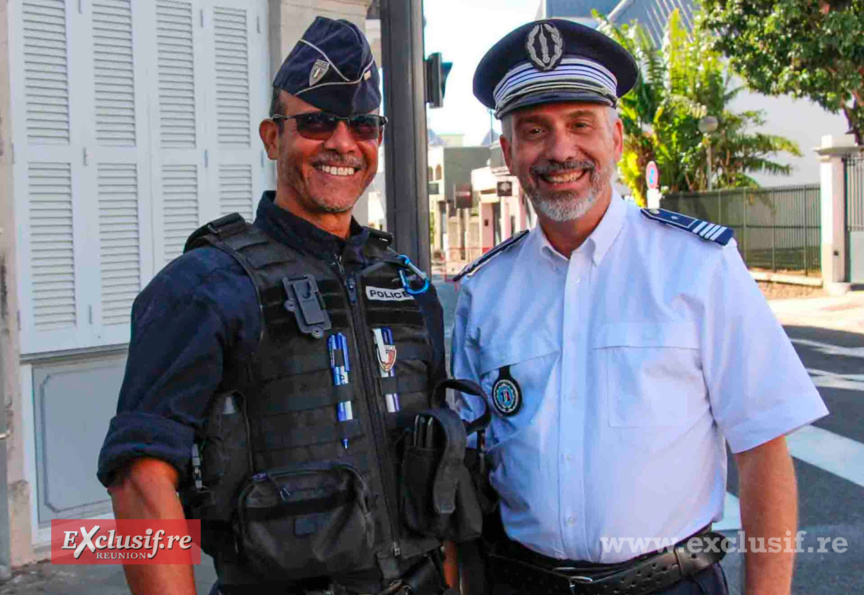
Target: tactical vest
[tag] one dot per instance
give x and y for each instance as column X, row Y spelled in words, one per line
column 273, row 462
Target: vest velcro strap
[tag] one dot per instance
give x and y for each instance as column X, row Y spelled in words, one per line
column 227, row 226
column 358, row 460
column 413, row 351
column 294, row 366
column 309, row 436
column 400, row 419
column 383, row 317
column 246, row 240
column 403, row 384
column 300, row 507
column 301, row 401
column 263, row 258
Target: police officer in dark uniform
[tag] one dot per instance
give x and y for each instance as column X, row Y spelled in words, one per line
column 273, row 366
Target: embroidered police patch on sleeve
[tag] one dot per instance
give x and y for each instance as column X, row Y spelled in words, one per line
column 506, row 394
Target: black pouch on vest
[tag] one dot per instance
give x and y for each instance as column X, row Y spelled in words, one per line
column 306, row 521
column 224, row 460
column 439, row 496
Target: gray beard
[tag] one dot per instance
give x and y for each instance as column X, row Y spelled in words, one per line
column 569, row 206
column 331, row 208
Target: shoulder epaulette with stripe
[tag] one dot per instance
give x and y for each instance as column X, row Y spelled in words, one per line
column 704, row 229
column 499, row 249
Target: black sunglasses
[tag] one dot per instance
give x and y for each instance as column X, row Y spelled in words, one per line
column 321, row 125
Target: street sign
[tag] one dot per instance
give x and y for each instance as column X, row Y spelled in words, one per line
column 463, row 196
column 652, row 176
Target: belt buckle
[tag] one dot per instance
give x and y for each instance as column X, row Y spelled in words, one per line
column 576, row 581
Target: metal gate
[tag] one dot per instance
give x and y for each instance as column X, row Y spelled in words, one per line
column 776, row 228
column 854, row 168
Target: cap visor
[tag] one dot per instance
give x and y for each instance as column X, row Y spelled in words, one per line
column 554, row 97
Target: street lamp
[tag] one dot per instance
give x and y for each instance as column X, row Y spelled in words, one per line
column 707, row 125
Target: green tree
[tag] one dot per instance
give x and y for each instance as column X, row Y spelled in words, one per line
column 806, row 48
column 681, row 82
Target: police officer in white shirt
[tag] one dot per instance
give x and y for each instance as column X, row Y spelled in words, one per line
column 621, row 350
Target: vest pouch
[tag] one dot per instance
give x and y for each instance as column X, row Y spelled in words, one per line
column 308, row 521
column 224, row 460
column 419, row 469
column 438, row 495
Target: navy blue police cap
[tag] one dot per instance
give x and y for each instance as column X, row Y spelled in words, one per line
column 332, row 68
column 551, row 61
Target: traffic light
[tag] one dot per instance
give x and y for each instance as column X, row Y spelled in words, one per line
column 436, row 79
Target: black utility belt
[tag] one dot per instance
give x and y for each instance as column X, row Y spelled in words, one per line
column 643, row 575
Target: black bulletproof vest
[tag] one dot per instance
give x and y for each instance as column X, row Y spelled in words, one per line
column 285, row 394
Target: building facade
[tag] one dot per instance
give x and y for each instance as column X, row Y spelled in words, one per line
column 452, row 215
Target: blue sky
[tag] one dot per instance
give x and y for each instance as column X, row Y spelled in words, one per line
column 463, row 30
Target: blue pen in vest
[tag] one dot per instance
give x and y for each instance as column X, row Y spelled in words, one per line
column 340, row 365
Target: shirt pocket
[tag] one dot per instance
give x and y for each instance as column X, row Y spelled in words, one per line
column 651, row 371
column 531, row 367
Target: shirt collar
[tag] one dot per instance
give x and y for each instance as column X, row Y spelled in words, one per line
column 298, row 233
column 598, row 243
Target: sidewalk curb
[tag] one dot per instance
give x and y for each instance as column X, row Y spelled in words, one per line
column 787, row 279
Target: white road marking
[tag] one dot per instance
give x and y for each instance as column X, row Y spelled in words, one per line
column 829, row 349
column 731, row 515
column 826, row 450
column 832, row 380
column 830, row 452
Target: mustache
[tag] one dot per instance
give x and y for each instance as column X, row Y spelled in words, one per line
column 557, row 167
column 336, row 160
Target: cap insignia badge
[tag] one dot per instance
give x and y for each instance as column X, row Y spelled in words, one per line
column 506, row 394
column 319, row 69
column 545, row 46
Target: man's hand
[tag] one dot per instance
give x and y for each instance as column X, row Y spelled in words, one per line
column 769, row 509
column 147, row 489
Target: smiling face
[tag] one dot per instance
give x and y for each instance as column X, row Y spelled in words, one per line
column 564, row 155
column 318, row 177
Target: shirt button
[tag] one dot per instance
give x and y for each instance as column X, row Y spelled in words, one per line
column 568, row 458
column 571, row 520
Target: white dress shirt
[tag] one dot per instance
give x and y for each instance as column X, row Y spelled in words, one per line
column 635, row 357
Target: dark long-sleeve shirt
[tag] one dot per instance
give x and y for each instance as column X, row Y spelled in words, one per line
column 198, row 317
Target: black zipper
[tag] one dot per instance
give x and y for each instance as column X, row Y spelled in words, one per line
column 374, row 410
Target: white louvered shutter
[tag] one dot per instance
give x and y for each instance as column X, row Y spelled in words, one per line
column 179, row 163
column 240, row 82
column 113, row 186
column 47, row 170
column 52, row 254
column 119, row 174
column 236, row 190
column 135, row 123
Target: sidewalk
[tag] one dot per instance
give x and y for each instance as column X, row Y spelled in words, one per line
column 840, row 313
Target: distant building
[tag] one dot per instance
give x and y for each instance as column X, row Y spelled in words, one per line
column 491, row 139
column 502, row 207
column 452, row 139
column 452, row 213
column 575, row 10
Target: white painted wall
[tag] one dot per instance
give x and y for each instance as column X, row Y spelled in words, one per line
column 800, row 120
